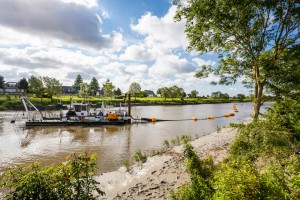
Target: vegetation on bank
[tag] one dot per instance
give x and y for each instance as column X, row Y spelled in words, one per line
column 73, row 179
column 264, row 161
column 13, row 102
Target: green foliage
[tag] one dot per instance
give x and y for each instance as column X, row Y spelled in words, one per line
column 135, row 89
column 250, row 37
column 8, row 98
column 108, row 88
column 23, row 84
column 52, row 86
column 201, row 175
column 237, row 180
column 2, row 81
column 126, row 164
column 77, row 82
column 194, row 93
column 36, row 85
column 139, row 157
column 73, row 179
column 264, row 162
column 167, row 143
column 94, row 86
column 84, row 91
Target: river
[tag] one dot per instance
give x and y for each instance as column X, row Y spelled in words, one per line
column 112, row 144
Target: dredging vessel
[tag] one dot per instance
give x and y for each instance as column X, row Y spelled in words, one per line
column 79, row 114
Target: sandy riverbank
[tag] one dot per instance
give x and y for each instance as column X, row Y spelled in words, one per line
column 161, row 174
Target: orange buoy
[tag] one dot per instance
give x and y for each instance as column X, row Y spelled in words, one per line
column 226, row 115
column 210, row 117
column 153, row 119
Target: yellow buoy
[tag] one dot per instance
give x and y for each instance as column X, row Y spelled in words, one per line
column 153, row 119
column 231, row 114
column 210, row 117
column 226, row 115
column 194, row 118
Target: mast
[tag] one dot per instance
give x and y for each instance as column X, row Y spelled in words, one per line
column 129, row 104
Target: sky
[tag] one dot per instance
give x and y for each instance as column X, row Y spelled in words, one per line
column 124, row 41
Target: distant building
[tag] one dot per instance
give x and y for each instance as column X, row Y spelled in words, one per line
column 67, row 90
column 150, row 93
column 11, row 88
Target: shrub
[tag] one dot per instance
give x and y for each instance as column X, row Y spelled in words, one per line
column 200, row 173
column 139, row 157
column 167, row 144
column 73, row 179
column 126, row 164
column 237, row 180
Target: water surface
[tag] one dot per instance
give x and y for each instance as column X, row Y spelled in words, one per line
column 112, row 144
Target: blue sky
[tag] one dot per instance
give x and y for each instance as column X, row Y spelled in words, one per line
column 122, row 40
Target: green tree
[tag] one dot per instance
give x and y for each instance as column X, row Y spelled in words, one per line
column 23, row 84
column 77, row 82
column 94, row 86
column 175, row 91
column 135, row 89
column 194, row 93
column 2, row 81
column 52, row 86
column 240, row 97
column 36, row 86
column 242, row 31
column 163, row 92
column 84, row 91
column 118, row 92
column 108, row 89
column 285, row 80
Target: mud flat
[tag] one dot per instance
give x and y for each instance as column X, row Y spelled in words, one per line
column 161, row 174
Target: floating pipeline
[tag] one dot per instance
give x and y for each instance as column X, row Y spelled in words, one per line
column 170, row 120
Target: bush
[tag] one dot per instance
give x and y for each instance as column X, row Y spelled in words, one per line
column 237, row 180
column 201, row 175
column 73, row 179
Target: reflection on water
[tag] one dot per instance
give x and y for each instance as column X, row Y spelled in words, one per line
column 113, row 144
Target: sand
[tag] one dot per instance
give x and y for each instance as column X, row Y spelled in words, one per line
column 161, row 174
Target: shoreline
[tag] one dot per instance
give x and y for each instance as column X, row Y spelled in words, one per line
column 162, row 173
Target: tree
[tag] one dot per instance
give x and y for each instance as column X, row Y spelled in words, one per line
column 135, row 89
column 285, row 80
column 36, row 86
column 118, row 92
column 240, row 97
column 23, row 84
column 52, row 86
column 175, row 91
column 1, row 81
column 242, row 31
column 84, row 91
column 77, row 82
column 94, row 86
column 108, row 88
column 194, row 93
column 163, row 92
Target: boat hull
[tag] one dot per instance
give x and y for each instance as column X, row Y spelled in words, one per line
column 76, row 123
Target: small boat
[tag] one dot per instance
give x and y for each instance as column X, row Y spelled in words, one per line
column 79, row 114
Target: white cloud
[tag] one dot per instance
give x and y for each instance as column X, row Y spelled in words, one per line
column 169, row 65
column 200, row 62
column 136, row 53
column 87, row 3
column 162, row 30
column 67, row 22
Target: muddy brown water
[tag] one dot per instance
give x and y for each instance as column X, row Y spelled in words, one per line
column 112, row 144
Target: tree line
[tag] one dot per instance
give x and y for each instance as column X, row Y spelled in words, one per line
column 49, row 87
